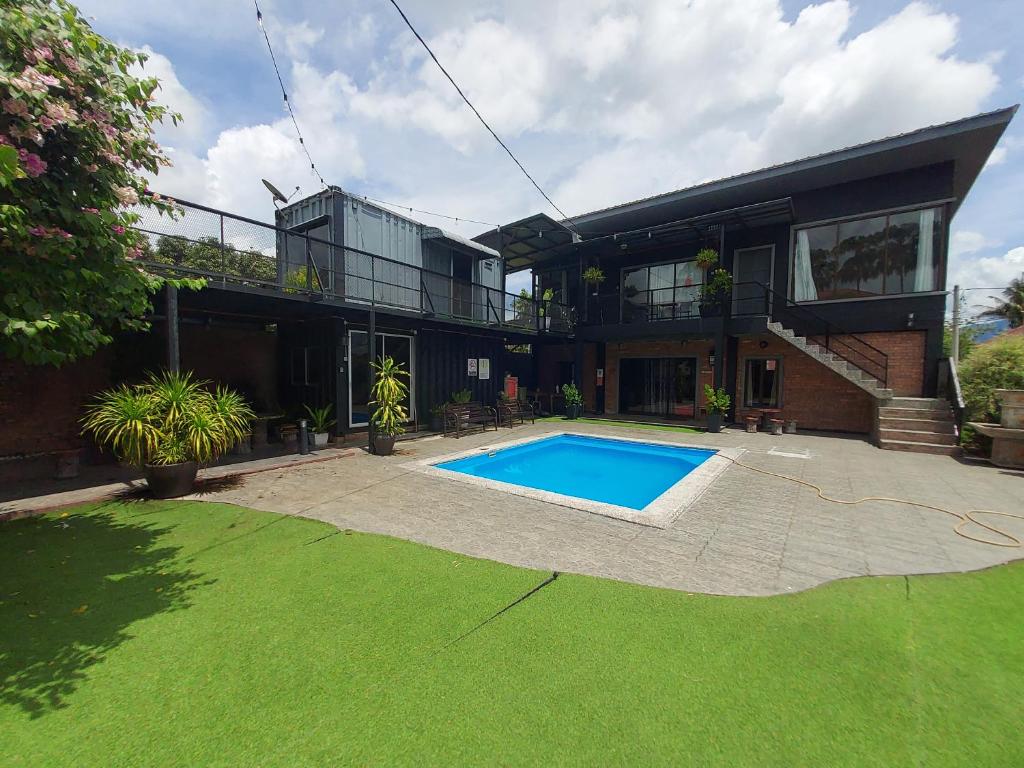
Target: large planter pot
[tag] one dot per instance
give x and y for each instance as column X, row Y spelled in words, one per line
column 573, row 411
column 320, row 439
column 714, row 423
column 436, row 422
column 168, row 481
column 383, row 445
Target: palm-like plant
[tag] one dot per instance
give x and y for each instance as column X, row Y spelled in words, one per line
column 1011, row 306
column 171, row 418
column 388, row 392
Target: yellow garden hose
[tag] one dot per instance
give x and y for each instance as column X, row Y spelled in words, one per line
column 964, row 517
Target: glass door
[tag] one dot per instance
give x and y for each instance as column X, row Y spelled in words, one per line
column 658, row 386
column 401, row 348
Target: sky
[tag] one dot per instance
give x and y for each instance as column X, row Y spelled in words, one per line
column 603, row 101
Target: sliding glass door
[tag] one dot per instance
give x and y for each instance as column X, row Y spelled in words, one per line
column 401, row 348
column 658, row 386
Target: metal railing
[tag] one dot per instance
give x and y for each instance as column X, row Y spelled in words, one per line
column 233, row 250
column 675, row 302
column 949, row 387
column 753, row 298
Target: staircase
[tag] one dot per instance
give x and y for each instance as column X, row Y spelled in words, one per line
column 849, row 371
column 918, row 424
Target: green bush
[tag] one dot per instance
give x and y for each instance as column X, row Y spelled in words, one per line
column 999, row 364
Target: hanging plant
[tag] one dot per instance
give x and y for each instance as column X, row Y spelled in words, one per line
column 717, row 287
column 707, row 258
column 593, row 276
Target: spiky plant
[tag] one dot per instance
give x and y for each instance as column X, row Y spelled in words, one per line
column 170, row 418
column 388, row 392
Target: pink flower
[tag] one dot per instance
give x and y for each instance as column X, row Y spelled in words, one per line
column 92, row 167
column 126, row 195
column 33, row 75
column 61, row 233
column 134, row 253
column 70, row 64
column 68, row 45
column 15, row 107
column 61, row 112
column 93, row 211
column 43, row 52
column 27, row 133
column 48, row 123
column 5, row 140
column 37, row 231
column 34, row 164
column 118, row 229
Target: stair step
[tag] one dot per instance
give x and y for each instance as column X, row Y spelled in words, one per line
column 941, row 426
column 889, row 411
column 917, row 436
column 917, row 447
column 923, row 403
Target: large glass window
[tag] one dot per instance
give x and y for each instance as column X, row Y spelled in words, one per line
column 398, row 347
column 762, row 383
column 875, row 256
column 661, row 292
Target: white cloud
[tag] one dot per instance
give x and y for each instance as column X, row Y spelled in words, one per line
column 963, row 242
column 993, row 272
column 603, row 101
column 192, row 128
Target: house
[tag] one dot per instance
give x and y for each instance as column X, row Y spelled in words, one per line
column 835, row 313
column 833, row 317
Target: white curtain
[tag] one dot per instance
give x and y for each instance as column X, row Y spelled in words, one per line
column 803, row 281
column 924, row 273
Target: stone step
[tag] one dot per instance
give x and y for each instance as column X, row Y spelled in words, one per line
column 912, row 446
column 941, row 426
column 915, row 413
column 920, row 403
column 917, row 436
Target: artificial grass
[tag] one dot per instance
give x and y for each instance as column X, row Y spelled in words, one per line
column 630, row 424
column 189, row 634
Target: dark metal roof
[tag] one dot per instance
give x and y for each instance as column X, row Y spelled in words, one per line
column 520, row 241
column 459, row 242
column 968, row 142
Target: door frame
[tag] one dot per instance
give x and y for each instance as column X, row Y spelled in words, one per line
column 412, row 373
column 771, row 274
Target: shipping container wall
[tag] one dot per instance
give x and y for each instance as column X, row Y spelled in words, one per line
column 442, row 368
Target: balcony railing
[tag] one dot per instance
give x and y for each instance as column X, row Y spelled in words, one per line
column 232, row 250
column 677, row 302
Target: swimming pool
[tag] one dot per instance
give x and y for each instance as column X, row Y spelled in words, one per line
column 622, row 473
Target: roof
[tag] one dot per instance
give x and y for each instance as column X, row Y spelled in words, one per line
column 967, row 142
column 458, row 241
column 521, row 240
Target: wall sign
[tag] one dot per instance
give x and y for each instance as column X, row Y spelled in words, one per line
column 600, row 377
column 471, row 366
column 484, row 368
column 512, row 387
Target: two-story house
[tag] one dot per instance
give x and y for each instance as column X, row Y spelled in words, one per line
column 832, row 311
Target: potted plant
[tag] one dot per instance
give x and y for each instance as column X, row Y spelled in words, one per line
column 437, row 417
column 462, row 397
column 593, row 276
column 706, row 258
column 169, row 425
column 388, row 413
column 718, row 403
column 573, row 401
column 320, row 423
column 717, row 288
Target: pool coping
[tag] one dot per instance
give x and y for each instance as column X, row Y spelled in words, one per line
column 661, row 512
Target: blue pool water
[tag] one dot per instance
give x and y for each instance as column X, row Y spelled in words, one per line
column 597, row 468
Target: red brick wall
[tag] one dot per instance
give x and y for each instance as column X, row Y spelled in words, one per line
column 816, row 396
column 548, row 358
column 614, row 352
column 906, row 351
column 40, row 405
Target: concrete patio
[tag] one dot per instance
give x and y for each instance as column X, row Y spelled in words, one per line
column 749, row 534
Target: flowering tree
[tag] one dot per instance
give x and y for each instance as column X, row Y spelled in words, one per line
column 76, row 132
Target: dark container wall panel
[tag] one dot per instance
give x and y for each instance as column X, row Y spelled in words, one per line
column 441, row 367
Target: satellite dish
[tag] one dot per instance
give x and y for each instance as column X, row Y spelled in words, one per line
column 277, row 193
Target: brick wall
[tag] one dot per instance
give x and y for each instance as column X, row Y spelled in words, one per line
column 615, row 351
column 816, row 396
column 906, row 351
column 40, row 405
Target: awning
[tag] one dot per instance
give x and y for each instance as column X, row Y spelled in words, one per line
column 521, row 242
column 460, row 242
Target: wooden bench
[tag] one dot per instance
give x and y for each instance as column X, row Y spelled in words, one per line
column 511, row 410
column 463, row 417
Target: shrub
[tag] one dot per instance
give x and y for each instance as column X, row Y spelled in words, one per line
column 572, row 394
column 998, row 364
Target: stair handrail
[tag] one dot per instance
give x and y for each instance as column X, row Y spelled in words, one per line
column 831, row 330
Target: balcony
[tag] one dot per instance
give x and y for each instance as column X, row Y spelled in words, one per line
column 234, row 253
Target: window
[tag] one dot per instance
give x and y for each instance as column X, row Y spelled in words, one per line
column 873, row 256
column 661, row 292
column 762, row 383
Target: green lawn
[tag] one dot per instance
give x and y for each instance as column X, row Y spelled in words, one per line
column 200, row 634
column 630, row 424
